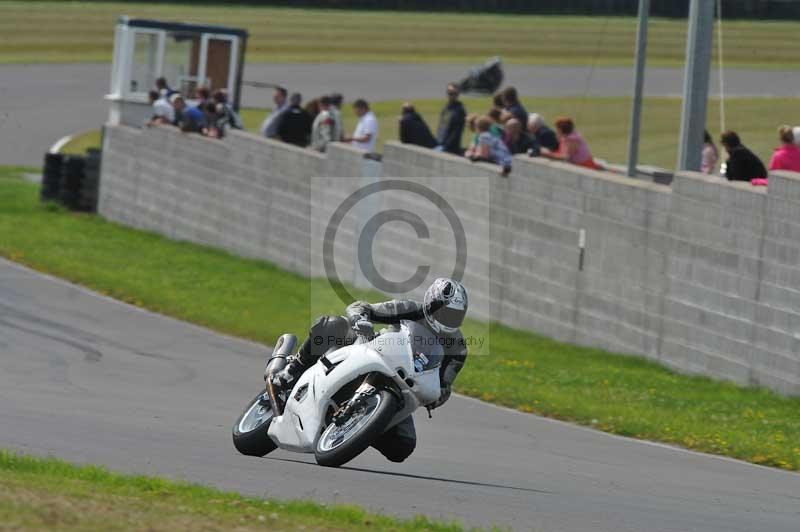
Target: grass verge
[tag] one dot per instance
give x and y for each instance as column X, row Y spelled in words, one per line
column 619, row 394
column 603, row 121
column 64, row 32
column 49, row 494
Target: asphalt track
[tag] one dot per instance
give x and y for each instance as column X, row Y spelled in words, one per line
column 41, row 103
column 88, row 379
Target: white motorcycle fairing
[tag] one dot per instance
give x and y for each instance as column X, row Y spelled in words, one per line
column 390, row 354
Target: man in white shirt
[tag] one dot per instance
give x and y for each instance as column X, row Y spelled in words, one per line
column 163, row 113
column 366, row 134
column 269, row 128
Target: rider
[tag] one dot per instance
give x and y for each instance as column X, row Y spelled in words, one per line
column 442, row 311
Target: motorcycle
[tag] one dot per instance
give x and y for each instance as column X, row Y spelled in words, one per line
column 344, row 402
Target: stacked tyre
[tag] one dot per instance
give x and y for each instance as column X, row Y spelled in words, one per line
column 51, row 177
column 91, row 181
column 71, row 181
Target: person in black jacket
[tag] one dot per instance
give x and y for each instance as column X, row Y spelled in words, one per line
column 513, row 106
column 518, row 141
column 413, row 129
column 295, row 123
column 544, row 136
column 451, row 123
column 742, row 164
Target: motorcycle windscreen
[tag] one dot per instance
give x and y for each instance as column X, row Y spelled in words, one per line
column 426, row 346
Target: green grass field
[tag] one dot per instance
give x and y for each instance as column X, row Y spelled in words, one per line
column 603, row 121
column 252, row 299
column 47, row 494
column 36, row 32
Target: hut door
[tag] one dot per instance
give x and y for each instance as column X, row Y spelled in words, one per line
column 221, row 53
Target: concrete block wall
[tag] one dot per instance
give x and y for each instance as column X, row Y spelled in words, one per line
column 246, row 194
column 702, row 275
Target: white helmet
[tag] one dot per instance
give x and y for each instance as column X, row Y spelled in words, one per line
column 445, row 305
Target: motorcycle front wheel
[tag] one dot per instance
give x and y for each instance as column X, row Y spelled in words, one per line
column 337, row 445
column 250, row 431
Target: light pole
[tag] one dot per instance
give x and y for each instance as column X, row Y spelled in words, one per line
column 695, row 83
column 638, row 87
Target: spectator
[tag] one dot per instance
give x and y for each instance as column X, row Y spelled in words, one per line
column 516, row 140
column 163, row 113
column 545, row 136
column 189, row 119
column 164, row 89
column 572, row 146
column 203, row 95
column 490, row 148
column 787, row 155
column 336, row 113
column 312, row 108
column 228, row 116
column 472, row 120
column 512, row 105
column 496, row 129
column 497, row 100
column 366, row 134
column 213, row 115
column 295, row 124
column 710, row 155
column 323, row 127
column 451, row 123
column 269, row 128
column 796, row 134
column 414, row 130
column 742, row 164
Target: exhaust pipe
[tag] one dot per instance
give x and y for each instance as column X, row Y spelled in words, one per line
column 283, row 348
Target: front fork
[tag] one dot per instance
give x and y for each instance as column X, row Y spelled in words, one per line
column 371, row 384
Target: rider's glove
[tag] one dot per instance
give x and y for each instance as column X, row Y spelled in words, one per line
column 357, row 310
column 364, row 327
column 443, row 397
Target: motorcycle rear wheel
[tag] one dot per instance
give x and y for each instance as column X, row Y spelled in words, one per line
column 338, row 445
column 250, row 431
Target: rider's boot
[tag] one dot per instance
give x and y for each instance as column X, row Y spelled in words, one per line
column 326, row 332
column 286, row 378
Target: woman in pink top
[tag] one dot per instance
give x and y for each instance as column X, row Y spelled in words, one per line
column 572, row 147
column 787, row 155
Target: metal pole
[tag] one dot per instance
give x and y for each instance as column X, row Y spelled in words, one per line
column 638, row 87
column 695, row 83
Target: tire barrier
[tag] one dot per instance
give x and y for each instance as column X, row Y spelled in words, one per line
column 91, row 181
column 72, row 180
column 51, row 177
column 71, row 177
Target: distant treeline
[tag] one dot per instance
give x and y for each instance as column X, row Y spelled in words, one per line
column 764, row 9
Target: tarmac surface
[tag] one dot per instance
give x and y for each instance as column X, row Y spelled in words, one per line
column 89, row 379
column 41, row 103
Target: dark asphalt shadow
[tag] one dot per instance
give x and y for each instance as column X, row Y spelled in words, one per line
column 420, row 477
